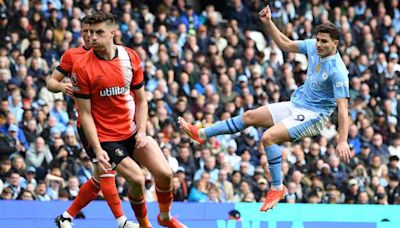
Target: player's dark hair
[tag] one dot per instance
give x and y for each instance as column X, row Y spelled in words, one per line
column 85, row 19
column 100, row 17
column 330, row 28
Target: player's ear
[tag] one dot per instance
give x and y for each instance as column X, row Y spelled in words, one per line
column 336, row 42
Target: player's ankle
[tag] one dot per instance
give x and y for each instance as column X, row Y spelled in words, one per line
column 277, row 187
column 66, row 215
column 165, row 216
column 202, row 134
column 121, row 220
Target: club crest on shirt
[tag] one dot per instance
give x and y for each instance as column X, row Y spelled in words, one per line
column 119, row 152
column 318, row 68
column 73, row 79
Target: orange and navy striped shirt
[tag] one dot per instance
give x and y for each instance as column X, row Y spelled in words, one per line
column 108, row 83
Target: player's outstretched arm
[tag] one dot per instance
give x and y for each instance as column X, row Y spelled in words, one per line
column 55, row 84
column 283, row 42
column 342, row 149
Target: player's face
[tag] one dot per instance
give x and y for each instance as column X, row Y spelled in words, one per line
column 326, row 46
column 85, row 35
column 101, row 35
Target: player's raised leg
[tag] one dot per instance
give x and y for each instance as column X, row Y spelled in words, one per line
column 260, row 117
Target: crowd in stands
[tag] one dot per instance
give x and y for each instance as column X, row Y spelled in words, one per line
column 206, row 61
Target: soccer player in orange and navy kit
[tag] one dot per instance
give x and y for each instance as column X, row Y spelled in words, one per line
column 108, row 84
column 91, row 188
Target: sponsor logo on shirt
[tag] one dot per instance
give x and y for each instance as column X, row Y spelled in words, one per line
column 113, row 91
column 342, row 84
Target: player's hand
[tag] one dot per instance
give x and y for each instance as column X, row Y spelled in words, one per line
column 102, row 161
column 343, row 151
column 67, row 89
column 141, row 140
column 265, row 14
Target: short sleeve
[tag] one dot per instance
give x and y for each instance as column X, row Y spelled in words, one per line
column 80, row 82
column 341, row 84
column 305, row 46
column 137, row 74
column 65, row 66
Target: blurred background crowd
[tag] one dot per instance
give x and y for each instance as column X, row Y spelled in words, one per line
column 206, row 61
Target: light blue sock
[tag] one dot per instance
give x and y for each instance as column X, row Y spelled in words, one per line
column 229, row 126
column 274, row 155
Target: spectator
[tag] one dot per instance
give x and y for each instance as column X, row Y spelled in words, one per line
column 54, row 175
column 59, row 113
column 72, row 187
column 173, row 162
column 199, row 192
column 39, row 155
column 185, row 182
column 27, row 195
column 41, row 193
column 190, row 19
column 240, row 13
column 393, row 190
column 6, row 145
column 179, row 194
column 394, row 148
column 214, row 195
column 13, row 182
column 29, row 177
column 393, row 166
column 210, row 167
column 378, row 168
column 186, row 161
column 86, row 170
column 261, row 190
column 363, row 198
column 17, row 136
column 19, row 165
column 380, row 149
column 225, row 186
column 5, row 169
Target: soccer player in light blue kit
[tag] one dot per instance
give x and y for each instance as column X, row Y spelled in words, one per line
column 305, row 115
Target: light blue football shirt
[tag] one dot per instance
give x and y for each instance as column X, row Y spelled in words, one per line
column 324, row 85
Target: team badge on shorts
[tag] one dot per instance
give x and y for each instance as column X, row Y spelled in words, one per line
column 119, row 152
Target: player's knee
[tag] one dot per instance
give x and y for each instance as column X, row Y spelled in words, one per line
column 135, row 180
column 267, row 139
column 166, row 174
column 248, row 117
column 163, row 176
